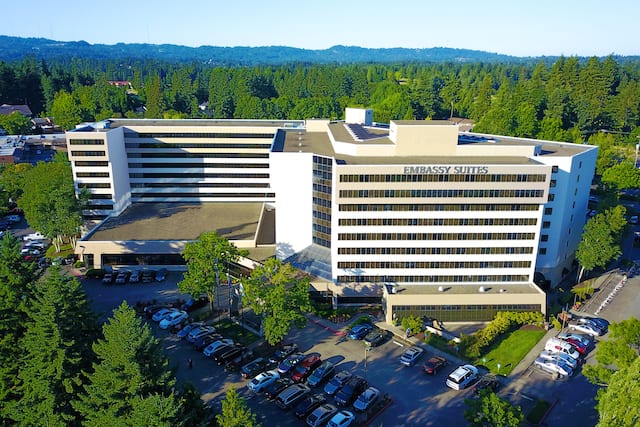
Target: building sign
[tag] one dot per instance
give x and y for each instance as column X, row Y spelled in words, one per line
column 446, row 170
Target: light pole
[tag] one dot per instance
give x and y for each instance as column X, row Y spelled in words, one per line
column 635, row 164
column 218, row 287
column 366, row 351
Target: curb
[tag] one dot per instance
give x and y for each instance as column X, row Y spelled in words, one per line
column 328, row 328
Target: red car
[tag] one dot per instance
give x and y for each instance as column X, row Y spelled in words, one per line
column 579, row 346
column 304, row 368
column 433, row 365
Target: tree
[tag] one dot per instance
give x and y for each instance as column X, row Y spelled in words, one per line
column 207, row 259
column 49, row 201
column 619, row 404
column 16, row 278
column 621, row 176
column 280, row 295
column 15, row 123
column 12, row 179
column 599, row 243
column 66, row 110
column 56, row 349
column 131, row 384
column 235, row 412
column 489, row 410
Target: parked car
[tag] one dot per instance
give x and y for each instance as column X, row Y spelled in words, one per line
column 411, row 355
column 202, row 342
column 177, row 327
column 434, row 364
column 200, row 331
column 342, row 419
column 375, row 337
column 161, row 274
column 211, row 348
column 162, row 313
column 230, row 354
column 193, row 304
column 252, row 368
column 545, row 354
column 150, row 310
column 291, row 395
column 351, row 390
column 578, row 345
column 109, row 277
column 321, row 374
column 273, row 390
column 290, row 362
column 487, row 382
column 135, row 276
column 602, row 324
column 236, row 363
column 123, row 277
column 13, row 218
column 309, row 404
column 462, row 377
column 366, row 399
column 553, row 367
column 358, row 332
column 263, row 380
column 148, row 276
column 321, row 415
column 583, row 339
column 305, row 368
column 337, row 382
column 187, row 328
column 35, row 236
column 586, row 328
column 283, row 352
column 173, row 319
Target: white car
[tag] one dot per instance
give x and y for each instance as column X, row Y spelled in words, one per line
column 462, row 377
column 586, row 328
column 262, row 380
column 211, row 348
column 554, row 366
column 342, row 419
column 173, row 318
column 410, row 356
column 366, row 399
column 35, row 236
column 160, row 314
column 549, row 355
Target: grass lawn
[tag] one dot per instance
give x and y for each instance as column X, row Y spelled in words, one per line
column 509, row 351
column 236, row 332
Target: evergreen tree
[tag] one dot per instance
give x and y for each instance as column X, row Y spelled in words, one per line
column 235, row 412
column 56, row 349
column 131, row 384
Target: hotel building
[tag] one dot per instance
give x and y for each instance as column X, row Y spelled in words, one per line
column 433, row 221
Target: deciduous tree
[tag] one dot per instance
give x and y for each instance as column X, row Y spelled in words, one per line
column 489, row 410
column 235, row 412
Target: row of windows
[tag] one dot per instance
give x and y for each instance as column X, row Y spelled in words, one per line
column 319, row 200
column 199, row 185
column 101, row 207
column 92, row 174
column 460, row 313
column 203, row 135
column 198, row 175
column 200, row 195
column 443, row 178
column 100, row 196
column 436, row 221
column 200, row 166
column 94, row 185
column 90, row 163
column 86, row 142
column 418, row 207
column 435, row 236
column 437, row 251
column 198, row 155
column 440, row 193
column 437, row 279
column 326, row 189
column 88, row 153
column 325, row 242
column 433, row 264
column 154, row 145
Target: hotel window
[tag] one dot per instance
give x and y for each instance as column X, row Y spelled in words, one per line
column 544, row 238
column 554, row 169
column 542, row 251
column 551, row 197
column 546, row 224
column 548, row 211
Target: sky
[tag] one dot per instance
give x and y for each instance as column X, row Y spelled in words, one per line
column 511, row 27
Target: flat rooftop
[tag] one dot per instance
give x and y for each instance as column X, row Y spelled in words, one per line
column 512, row 288
column 181, row 221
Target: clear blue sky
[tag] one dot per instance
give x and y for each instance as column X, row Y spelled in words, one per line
column 513, row 27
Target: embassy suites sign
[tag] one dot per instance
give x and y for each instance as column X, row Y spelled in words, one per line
column 446, row 170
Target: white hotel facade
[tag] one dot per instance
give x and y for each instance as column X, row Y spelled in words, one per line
column 431, row 220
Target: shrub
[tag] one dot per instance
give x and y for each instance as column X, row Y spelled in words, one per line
column 502, row 323
column 78, row 264
column 412, row 323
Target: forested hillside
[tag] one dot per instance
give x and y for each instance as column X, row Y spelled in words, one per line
column 566, row 100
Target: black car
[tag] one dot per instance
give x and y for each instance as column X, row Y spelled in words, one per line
column 204, row 341
column 351, row 390
column 220, row 350
column 337, row 382
column 273, row 390
column 229, row 355
column 254, row 367
column 322, row 374
column 375, row 337
column 148, row 276
column 174, row 329
column 311, row 402
column 194, row 303
column 283, row 352
column 150, row 310
column 487, row 382
column 236, row 364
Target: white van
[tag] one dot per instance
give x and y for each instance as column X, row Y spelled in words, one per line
column 556, row 345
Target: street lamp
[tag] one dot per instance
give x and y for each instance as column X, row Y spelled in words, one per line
column 366, row 351
column 635, row 164
column 217, row 287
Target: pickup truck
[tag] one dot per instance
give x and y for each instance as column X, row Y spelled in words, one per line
column 34, row 236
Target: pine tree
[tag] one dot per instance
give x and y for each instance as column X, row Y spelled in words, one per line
column 131, row 384
column 56, row 349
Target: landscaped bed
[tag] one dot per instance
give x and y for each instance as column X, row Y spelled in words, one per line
column 511, row 349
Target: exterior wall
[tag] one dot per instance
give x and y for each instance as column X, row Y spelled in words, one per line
column 424, row 138
column 292, row 182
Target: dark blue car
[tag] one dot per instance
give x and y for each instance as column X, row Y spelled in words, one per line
column 360, row 331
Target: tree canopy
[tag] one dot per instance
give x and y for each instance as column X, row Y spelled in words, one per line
column 601, row 239
column 235, row 412
column 280, row 294
column 489, row 410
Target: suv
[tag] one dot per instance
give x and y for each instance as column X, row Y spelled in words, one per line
column 292, row 395
column 321, row 415
column 254, row 367
column 462, row 377
column 410, row 356
column 351, row 390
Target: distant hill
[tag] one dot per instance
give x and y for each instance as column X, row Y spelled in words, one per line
column 15, row 48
